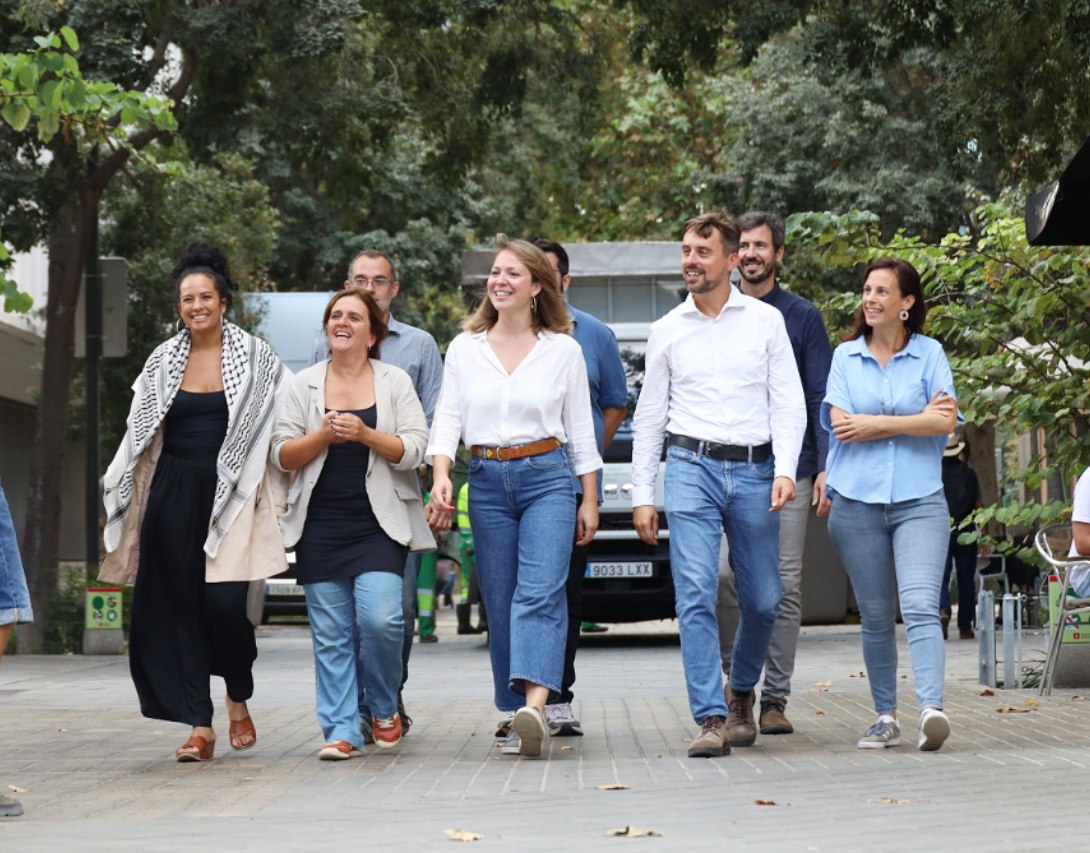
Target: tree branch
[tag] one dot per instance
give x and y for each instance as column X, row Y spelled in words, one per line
column 108, row 168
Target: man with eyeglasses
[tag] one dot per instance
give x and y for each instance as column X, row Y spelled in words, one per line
column 415, row 352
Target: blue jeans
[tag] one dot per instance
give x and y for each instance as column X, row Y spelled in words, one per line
column 522, row 512
column 408, row 610
column 703, row 497
column 890, row 549
column 14, row 597
column 369, row 603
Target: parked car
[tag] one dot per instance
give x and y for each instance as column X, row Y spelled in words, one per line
column 283, row 596
column 626, row 579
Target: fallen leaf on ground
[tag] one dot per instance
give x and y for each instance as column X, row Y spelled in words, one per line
column 462, row 835
column 635, row 832
column 765, row 803
column 1032, row 703
column 616, row 786
column 819, row 713
column 892, row 801
column 16, row 789
column 1012, row 710
column 986, row 692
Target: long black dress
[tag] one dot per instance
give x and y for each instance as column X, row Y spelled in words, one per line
column 183, row 629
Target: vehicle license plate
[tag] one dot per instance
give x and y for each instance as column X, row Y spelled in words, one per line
column 620, row 570
column 295, row 589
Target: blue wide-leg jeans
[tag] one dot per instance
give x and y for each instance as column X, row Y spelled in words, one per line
column 522, row 512
column 891, row 549
column 369, row 603
column 705, row 497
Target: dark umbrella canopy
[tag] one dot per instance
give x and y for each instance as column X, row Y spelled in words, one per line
column 1059, row 215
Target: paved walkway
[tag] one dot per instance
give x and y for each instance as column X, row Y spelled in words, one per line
column 95, row 775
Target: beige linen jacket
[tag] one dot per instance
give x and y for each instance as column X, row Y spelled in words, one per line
column 250, row 550
column 392, row 489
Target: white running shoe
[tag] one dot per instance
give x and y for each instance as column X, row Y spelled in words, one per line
column 934, row 729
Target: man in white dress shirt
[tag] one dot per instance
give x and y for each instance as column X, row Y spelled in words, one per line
column 722, row 389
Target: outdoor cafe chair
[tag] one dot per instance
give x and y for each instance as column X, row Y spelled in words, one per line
column 1053, row 543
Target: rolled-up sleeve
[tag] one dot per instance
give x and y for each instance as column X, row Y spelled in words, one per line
column 446, row 426
column 649, row 422
column 578, row 419
column 836, row 389
column 787, row 403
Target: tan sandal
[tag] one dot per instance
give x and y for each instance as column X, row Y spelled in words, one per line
column 197, row 748
column 240, row 729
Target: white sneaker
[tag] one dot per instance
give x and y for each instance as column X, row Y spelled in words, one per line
column 529, row 724
column 510, row 744
column 885, row 732
column 561, row 720
column 934, row 729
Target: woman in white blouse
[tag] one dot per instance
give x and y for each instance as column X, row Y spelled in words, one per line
column 515, row 391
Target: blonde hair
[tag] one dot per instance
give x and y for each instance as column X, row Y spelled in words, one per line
column 549, row 314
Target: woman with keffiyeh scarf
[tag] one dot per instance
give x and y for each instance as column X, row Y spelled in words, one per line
column 190, row 501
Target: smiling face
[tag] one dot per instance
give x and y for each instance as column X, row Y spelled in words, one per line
column 883, row 300
column 510, row 285
column 199, row 304
column 705, row 262
column 758, row 258
column 348, row 328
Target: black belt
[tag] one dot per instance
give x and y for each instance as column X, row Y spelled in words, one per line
column 722, row 452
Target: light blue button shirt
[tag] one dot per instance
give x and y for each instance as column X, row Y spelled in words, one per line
column 886, row 470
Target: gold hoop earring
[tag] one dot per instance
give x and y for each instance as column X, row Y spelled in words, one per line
column 179, row 324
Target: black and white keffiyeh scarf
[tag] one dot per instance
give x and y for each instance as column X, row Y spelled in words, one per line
column 251, row 375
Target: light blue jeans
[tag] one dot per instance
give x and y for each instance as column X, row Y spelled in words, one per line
column 408, row 610
column 14, row 597
column 522, row 513
column 370, row 603
column 891, row 549
column 704, row 497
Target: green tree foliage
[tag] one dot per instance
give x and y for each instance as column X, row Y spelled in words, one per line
column 859, row 140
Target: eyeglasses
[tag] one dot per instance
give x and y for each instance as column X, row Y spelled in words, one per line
column 364, row 281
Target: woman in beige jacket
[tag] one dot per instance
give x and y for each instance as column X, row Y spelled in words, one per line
column 352, row 433
column 190, row 500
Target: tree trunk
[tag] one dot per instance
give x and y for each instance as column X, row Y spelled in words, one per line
column 68, row 244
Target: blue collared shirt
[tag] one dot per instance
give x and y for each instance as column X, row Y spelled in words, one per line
column 886, row 470
column 411, row 349
column 605, row 373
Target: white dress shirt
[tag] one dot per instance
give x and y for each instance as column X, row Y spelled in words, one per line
column 729, row 379
column 547, row 396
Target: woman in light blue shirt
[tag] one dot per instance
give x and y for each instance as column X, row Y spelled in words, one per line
column 889, row 405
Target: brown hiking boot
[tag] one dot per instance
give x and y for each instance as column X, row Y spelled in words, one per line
column 741, row 729
column 712, row 739
column 774, row 722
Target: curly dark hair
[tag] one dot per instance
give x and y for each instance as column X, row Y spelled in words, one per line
column 207, row 260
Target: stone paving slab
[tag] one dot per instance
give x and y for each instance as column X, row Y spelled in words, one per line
column 98, row 776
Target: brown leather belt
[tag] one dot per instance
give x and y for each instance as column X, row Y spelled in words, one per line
column 517, row 451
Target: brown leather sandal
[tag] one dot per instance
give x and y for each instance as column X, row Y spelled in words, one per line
column 196, row 748
column 240, row 729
